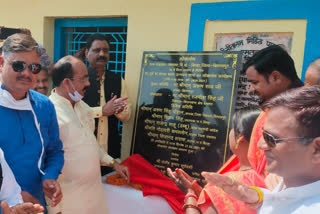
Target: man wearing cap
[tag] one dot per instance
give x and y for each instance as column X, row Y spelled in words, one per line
column 29, row 133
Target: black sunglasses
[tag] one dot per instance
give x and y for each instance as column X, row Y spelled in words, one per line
column 19, row 66
column 272, row 141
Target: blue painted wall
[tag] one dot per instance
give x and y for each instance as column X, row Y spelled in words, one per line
column 259, row 10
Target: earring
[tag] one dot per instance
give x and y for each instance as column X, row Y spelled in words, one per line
column 238, row 142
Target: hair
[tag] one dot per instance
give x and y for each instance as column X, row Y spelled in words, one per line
column 316, row 65
column 44, row 68
column 304, row 102
column 273, row 58
column 62, row 70
column 19, row 42
column 94, row 37
column 243, row 121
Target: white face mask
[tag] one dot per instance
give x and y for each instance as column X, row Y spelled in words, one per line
column 7, row 100
column 76, row 96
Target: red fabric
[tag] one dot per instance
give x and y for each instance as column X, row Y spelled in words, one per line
column 256, row 156
column 232, row 164
column 154, row 182
column 224, row 203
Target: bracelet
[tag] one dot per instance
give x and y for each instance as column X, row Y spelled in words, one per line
column 190, row 195
column 260, row 193
column 193, row 206
column 113, row 161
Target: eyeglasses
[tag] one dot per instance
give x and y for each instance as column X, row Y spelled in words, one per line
column 19, row 66
column 272, row 141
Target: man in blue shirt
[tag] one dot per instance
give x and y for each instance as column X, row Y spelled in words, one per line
column 29, row 134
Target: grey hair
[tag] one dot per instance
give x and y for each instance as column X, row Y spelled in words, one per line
column 304, row 102
column 19, row 42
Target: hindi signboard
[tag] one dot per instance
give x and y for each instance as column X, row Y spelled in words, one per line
column 184, row 108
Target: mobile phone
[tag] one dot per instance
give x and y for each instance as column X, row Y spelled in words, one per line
column 5, row 32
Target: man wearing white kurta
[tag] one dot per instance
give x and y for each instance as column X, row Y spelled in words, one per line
column 81, row 178
column 291, row 143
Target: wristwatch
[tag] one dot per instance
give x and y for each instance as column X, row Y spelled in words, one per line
column 113, row 161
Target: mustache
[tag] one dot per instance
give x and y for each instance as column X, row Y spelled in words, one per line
column 102, row 58
column 24, row 78
column 40, row 88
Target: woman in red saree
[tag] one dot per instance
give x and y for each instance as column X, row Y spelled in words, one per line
column 213, row 199
column 255, row 156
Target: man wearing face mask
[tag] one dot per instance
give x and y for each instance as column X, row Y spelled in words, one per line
column 81, row 178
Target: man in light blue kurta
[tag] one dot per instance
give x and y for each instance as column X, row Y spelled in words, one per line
column 29, row 134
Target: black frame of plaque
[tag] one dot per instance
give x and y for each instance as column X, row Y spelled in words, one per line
column 184, row 109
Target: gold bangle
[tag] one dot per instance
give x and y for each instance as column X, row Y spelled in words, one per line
column 260, row 193
column 190, row 195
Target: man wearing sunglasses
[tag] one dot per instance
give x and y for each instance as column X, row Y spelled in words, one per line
column 291, row 142
column 29, row 134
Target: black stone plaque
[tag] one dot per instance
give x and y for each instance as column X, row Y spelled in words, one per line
column 184, row 107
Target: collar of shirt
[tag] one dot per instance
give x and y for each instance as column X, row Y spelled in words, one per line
column 281, row 193
column 62, row 99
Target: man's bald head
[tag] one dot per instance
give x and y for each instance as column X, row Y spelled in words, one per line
column 71, row 78
column 312, row 76
column 63, row 69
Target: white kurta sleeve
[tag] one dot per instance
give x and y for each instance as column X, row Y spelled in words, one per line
column 97, row 111
column 10, row 189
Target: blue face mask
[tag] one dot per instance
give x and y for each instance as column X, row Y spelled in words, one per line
column 76, row 96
